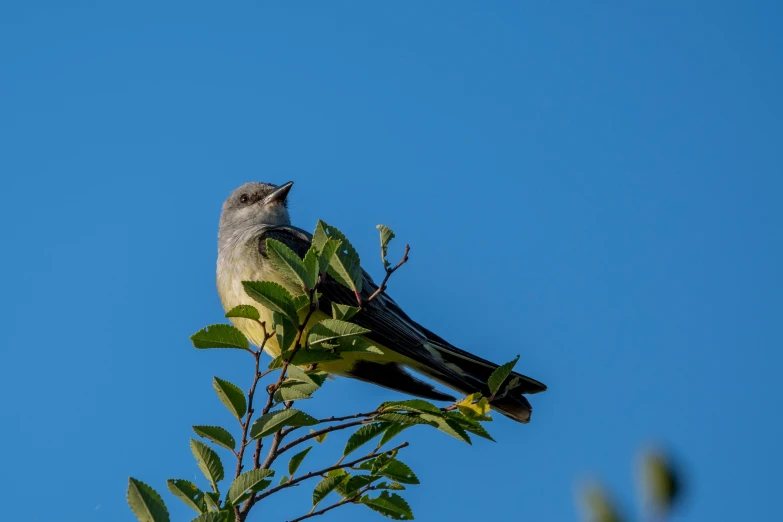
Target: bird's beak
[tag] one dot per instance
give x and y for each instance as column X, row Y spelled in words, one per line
column 279, row 194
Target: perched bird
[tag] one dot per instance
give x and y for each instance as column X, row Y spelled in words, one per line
column 255, row 212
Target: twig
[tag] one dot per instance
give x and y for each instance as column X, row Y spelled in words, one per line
column 319, row 433
column 326, row 470
column 343, row 502
column 389, row 272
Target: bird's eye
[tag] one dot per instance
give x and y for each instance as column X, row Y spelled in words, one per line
column 244, row 198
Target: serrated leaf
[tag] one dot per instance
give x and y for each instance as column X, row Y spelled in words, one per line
column 273, row 296
column 394, row 486
column 310, row 262
column 469, row 425
column 296, row 373
column 329, row 249
column 390, row 505
column 319, row 438
column 145, row 502
column 331, row 329
column 363, row 435
column 283, row 480
column 296, row 460
column 343, row 312
column 402, row 418
column 356, row 344
column 325, row 487
column 475, row 406
column 214, row 516
column 285, row 331
column 212, row 499
column 208, row 461
column 355, row 483
column 398, row 471
column 306, row 357
column 289, row 264
column 219, row 336
column 344, row 265
column 231, row 396
column 275, row 420
column 245, row 311
column 248, row 483
column 499, row 376
column 412, row 405
column 188, row 493
column 386, row 236
column 392, row 431
column 448, row 426
column 293, row 390
column 217, row 435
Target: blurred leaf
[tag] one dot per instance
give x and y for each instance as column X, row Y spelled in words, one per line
column 246, row 311
column 275, row 420
column 208, row 462
column 217, row 435
column 390, row 505
column 219, row 336
column 296, row 460
column 331, row 329
column 231, row 396
column 274, row 297
column 289, row 264
column 662, row 482
column 500, row 374
column 248, row 483
column 598, row 507
column 145, row 502
column 325, row 487
column 343, row 312
column 188, row 493
column 386, row 236
column 363, row 435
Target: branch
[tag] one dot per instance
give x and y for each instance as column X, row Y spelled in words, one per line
column 327, row 470
column 389, row 272
column 343, row 502
column 318, row 433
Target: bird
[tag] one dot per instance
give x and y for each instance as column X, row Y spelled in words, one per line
column 257, row 211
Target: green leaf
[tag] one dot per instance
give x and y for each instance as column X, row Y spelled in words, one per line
column 363, row 435
column 296, row 373
column 217, row 435
column 188, row 493
column 392, row 431
column 331, row 329
column 599, row 507
column 325, row 487
column 329, row 248
column 447, row 425
column 390, row 505
column 208, row 462
column 311, row 265
column 402, row 418
column 320, row 438
column 214, row 516
column 662, row 483
column 275, row 420
column 344, row 265
column 386, row 236
column 343, row 312
column 285, row 331
column 273, row 296
column 355, row 483
column 294, row 390
column 219, row 336
column 398, row 471
column 469, row 425
column 289, row 264
column 500, row 374
column 394, row 486
column 245, row 311
column 145, row 502
column 475, row 407
column 305, row 357
column 212, row 500
column 412, row 405
column 248, row 483
column 356, row 344
column 296, row 460
column 231, row 396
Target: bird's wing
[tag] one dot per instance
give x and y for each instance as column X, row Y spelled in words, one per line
column 389, row 325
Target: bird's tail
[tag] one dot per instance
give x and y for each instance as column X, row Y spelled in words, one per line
column 468, row 373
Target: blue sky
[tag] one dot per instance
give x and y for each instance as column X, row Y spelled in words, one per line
column 596, row 188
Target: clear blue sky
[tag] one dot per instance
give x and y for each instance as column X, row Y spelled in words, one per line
column 596, row 188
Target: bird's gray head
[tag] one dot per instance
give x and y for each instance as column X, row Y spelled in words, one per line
column 253, row 204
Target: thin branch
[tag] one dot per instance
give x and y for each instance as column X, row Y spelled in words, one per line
column 389, row 272
column 326, row 470
column 347, row 500
column 318, row 433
